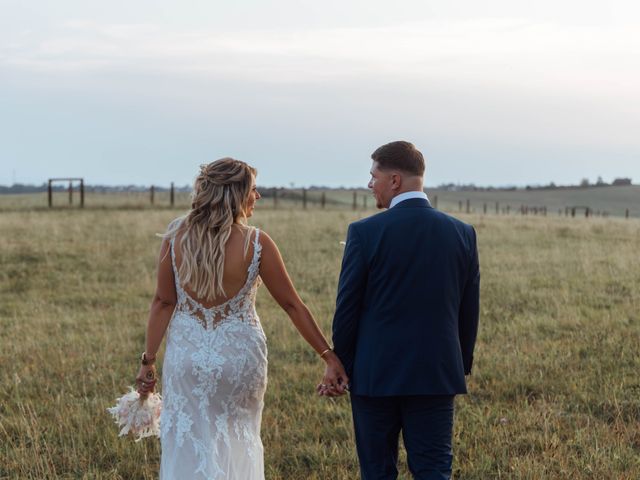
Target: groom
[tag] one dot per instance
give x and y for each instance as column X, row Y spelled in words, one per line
column 406, row 320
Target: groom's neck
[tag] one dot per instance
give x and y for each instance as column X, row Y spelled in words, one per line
column 411, row 184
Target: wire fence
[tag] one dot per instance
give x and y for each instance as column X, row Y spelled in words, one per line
column 77, row 196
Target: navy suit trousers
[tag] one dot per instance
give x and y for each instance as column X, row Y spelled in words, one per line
column 426, row 423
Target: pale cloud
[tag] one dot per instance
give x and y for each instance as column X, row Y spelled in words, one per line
column 498, row 51
column 507, row 94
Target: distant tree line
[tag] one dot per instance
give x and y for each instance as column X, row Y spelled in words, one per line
column 451, row 187
column 618, row 182
column 584, row 183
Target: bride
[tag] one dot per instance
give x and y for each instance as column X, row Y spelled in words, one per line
column 215, row 365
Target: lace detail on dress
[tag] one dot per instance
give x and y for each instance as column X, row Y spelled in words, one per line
column 239, row 306
column 213, row 382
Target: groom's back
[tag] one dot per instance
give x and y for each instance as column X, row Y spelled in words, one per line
column 419, row 262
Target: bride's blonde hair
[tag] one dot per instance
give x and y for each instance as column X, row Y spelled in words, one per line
column 219, row 199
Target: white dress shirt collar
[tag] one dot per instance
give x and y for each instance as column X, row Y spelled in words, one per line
column 406, row 196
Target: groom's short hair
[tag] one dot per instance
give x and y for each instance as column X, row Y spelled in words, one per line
column 400, row 155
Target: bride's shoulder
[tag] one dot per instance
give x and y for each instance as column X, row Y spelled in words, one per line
column 267, row 245
column 250, row 231
column 173, row 229
column 176, row 223
column 259, row 234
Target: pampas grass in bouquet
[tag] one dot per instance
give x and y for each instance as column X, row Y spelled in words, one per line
column 138, row 415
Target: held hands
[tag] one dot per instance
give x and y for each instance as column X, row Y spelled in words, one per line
column 335, row 381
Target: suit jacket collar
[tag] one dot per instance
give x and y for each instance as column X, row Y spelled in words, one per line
column 413, row 203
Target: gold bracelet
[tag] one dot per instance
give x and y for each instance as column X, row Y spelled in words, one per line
column 325, row 352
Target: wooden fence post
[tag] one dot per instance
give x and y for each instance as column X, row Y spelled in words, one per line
column 304, row 198
column 323, row 199
column 172, row 195
column 152, row 192
column 355, row 200
column 468, row 206
column 82, row 193
column 50, row 192
column 70, row 193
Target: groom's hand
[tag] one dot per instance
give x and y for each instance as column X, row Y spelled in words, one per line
column 335, row 381
column 325, row 390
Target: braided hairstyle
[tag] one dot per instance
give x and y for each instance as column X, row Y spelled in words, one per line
column 219, row 200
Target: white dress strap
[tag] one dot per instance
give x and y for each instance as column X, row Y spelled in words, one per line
column 254, row 266
column 173, row 263
column 256, row 241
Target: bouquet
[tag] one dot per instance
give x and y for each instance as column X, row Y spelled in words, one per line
column 138, row 414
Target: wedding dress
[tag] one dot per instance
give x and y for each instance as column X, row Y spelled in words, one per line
column 213, row 382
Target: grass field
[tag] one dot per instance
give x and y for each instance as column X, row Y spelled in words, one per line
column 555, row 392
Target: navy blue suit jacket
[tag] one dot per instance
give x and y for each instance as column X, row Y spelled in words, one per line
column 407, row 308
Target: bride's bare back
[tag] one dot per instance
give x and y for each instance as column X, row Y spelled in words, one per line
column 236, row 263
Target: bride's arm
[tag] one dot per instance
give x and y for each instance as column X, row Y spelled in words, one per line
column 276, row 279
column 162, row 306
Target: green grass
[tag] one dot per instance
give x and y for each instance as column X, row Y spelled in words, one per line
column 555, row 392
column 120, row 200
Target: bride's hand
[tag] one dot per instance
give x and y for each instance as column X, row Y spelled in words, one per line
column 335, row 381
column 146, row 379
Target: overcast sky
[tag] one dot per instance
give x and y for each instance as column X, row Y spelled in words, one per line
column 492, row 92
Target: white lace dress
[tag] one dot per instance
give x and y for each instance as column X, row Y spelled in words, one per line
column 213, row 382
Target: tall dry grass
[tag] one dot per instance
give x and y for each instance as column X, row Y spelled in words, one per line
column 555, row 392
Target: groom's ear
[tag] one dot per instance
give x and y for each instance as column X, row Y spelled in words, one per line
column 396, row 180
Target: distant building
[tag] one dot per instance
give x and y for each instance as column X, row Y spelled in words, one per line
column 619, row 182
